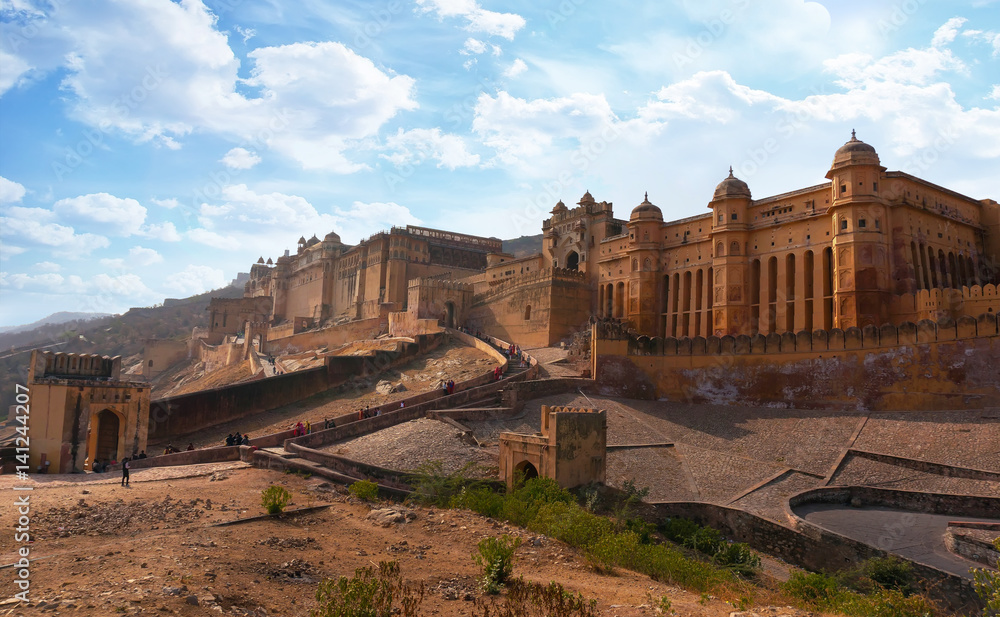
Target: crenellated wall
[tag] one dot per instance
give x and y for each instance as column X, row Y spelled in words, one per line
column 937, row 304
column 927, row 365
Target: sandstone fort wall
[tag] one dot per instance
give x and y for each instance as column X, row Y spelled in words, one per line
column 928, row 365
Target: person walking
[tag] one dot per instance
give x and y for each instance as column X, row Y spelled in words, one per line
column 125, row 468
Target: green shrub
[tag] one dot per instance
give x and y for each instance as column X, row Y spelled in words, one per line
column 431, row 486
column 570, row 523
column 987, row 586
column 738, row 557
column 890, row 573
column 525, row 599
column 482, row 500
column 813, row 588
column 496, row 560
column 369, row 593
column 274, row 499
column 365, row 490
column 679, row 529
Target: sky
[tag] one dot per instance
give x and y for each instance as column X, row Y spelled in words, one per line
column 154, row 149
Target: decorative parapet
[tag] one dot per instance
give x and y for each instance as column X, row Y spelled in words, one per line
column 869, row 337
column 59, row 365
column 521, row 280
column 438, row 284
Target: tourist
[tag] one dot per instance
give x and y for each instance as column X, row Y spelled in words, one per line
column 299, row 429
column 142, row 454
column 237, row 439
column 125, row 468
column 96, row 466
column 246, row 439
column 309, row 428
column 230, row 440
column 190, row 446
column 402, row 404
column 378, row 411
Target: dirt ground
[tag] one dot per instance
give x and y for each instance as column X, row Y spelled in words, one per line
column 155, row 549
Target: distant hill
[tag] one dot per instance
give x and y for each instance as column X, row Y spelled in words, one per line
column 54, row 318
column 523, row 246
column 110, row 335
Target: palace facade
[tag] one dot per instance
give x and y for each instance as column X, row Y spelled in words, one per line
column 866, row 247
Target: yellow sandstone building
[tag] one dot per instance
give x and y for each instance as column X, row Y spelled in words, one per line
column 866, row 247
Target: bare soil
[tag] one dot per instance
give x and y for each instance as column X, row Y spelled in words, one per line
column 153, row 549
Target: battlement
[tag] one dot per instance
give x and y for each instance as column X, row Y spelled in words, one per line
column 59, row 365
column 530, row 278
column 869, row 337
column 430, row 282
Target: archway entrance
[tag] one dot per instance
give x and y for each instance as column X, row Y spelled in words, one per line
column 107, row 436
column 525, row 470
column 573, row 261
column 449, row 314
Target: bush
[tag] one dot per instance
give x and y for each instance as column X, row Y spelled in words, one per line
column 365, row 490
column 481, row 500
column 496, row 560
column 535, row 600
column 570, row 523
column 738, row 557
column 431, row 486
column 824, row 593
column 274, row 499
column 987, row 586
column 812, row 587
column 890, row 573
column 369, row 593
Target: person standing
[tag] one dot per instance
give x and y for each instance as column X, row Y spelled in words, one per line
column 125, row 468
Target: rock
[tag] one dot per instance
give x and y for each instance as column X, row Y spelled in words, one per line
column 386, row 517
column 174, row 591
column 192, row 600
column 385, row 387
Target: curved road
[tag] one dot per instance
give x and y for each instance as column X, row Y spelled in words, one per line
column 913, row 535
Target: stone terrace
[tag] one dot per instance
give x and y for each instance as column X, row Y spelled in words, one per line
column 750, row 458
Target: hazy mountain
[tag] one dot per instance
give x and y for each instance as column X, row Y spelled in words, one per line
column 54, row 318
column 523, row 246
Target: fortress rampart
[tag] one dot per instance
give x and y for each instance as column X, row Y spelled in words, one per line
column 946, row 364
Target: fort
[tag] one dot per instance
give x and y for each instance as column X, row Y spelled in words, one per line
column 762, row 368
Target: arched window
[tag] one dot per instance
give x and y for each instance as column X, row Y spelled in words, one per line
column 734, row 248
column 720, row 250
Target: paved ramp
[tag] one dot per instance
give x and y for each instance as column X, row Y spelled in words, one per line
column 913, row 535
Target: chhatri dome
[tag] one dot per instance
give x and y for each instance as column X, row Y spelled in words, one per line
column 586, row 199
column 855, row 152
column 732, row 187
column 560, row 207
column 646, row 211
column 332, row 237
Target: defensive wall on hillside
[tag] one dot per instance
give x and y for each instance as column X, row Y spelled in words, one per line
column 926, row 365
column 180, row 415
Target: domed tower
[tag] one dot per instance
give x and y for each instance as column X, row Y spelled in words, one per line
column 645, row 229
column 730, row 300
column 860, row 246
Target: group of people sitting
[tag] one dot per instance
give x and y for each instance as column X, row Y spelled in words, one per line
column 100, row 466
column 237, row 439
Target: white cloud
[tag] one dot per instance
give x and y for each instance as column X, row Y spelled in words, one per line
column 159, row 71
column 515, row 69
column 12, row 68
column 143, row 257
column 113, row 264
column 416, row 145
column 169, row 203
column 477, row 19
column 947, row 32
column 195, row 280
column 47, row 266
column 102, row 292
column 10, row 191
column 212, row 239
column 240, row 158
column 994, row 93
column 520, row 129
column 473, row 46
column 990, row 38
column 33, row 225
column 165, row 232
column 121, row 216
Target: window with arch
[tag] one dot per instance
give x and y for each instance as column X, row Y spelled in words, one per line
column 720, row 249
column 734, row 248
column 635, row 265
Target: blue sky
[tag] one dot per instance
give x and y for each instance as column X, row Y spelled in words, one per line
column 153, row 149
